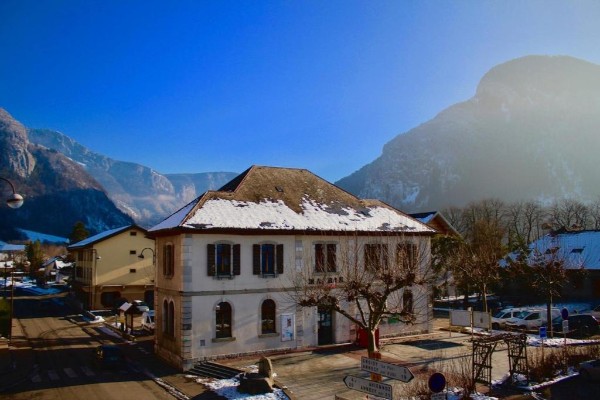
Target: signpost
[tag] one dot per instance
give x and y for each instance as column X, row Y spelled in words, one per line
column 393, row 371
column 364, row 385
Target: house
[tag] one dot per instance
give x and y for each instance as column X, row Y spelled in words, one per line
column 437, row 221
column 575, row 250
column 226, row 264
column 108, row 267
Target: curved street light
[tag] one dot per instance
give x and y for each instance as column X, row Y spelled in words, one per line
column 153, row 254
column 15, row 200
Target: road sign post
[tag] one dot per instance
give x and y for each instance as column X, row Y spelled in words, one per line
column 366, row 386
column 389, row 370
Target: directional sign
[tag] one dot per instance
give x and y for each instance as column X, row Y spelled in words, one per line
column 386, row 369
column 364, row 385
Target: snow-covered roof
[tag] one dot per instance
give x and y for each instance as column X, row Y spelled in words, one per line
column 102, row 236
column 43, row 237
column 272, row 198
column 576, row 248
column 11, row 247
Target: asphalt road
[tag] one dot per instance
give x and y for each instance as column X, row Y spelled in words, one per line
column 64, row 365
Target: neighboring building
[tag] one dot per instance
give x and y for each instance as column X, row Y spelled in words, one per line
column 44, row 238
column 225, row 264
column 108, row 267
column 575, row 249
column 437, row 221
column 444, row 287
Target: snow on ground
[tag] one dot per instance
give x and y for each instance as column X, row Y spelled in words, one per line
column 228, row 388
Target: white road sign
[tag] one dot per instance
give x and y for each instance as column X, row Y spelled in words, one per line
column 393, row 371
column 364, row 385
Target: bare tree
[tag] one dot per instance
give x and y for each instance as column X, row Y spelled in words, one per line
column 568, row 213
column 367, row 279
column 546, row 268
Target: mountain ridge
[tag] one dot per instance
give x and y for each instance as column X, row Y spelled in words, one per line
column 529, row 132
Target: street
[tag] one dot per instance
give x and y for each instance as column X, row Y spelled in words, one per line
column 64, row 366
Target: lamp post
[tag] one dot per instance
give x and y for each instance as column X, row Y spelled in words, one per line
column 15, row 200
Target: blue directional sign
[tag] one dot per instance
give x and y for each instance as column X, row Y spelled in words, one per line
column 564, row 313
column 543, row 334
column 437, row 382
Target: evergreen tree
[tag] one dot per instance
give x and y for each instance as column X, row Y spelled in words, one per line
column 78, row 233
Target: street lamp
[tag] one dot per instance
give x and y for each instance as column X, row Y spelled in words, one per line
column 15, row 200
column 153, row 254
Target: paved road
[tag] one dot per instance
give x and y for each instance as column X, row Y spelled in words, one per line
column 64, row 367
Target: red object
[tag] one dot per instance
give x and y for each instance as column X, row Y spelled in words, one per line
column 362, row 338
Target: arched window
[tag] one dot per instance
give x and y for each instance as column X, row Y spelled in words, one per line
column 223, row 319
column 165, row 316
column 168, row 260
column 168, row 318
column 267, row 315
column 171, row 327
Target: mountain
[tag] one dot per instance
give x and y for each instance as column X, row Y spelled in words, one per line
column 531, row 132
column 58, row 192
column 144, row 194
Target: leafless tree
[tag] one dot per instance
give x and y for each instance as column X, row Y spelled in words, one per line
column 367, row 279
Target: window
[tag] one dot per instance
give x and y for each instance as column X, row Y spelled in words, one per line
column 223, row 319
column 132, row 233
column 168, row 318
column 376, row 256
column 132, row 270
column 108, row 299
column 406, row 255
column 407, row 301
column 133, row 252
column 267, row 315
column 325, row 257
column 267, row 259
column 223, row 259
column 168, row 260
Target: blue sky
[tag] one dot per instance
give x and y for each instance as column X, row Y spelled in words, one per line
column 196, row 86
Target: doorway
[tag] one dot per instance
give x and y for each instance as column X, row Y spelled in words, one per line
column 325, row 333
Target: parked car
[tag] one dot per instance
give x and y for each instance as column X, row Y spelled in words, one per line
column 590, row 370
column 141, row 306
column 148, row 320
column 595, row 312
column 580, row 325
column 500, row 318
column 532, row 319
column 109, row 356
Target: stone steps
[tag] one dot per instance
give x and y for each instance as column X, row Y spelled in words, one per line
column 213, row 370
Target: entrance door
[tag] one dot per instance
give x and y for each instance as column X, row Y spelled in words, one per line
column 325, row 325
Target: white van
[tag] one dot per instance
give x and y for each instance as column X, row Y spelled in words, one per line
column 499, row 319
column 532, row 319
column 148, row 320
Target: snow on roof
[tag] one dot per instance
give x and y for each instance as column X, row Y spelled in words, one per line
column 11, row 247
column 101, row 236
column 272, row 198
column 43, row 237
column 577, row 248
column 220, row 213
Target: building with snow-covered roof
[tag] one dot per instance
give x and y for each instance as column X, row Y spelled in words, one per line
column 225, row 264
column 108, row 267
column 576, row 250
